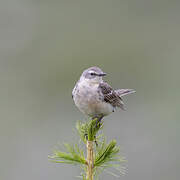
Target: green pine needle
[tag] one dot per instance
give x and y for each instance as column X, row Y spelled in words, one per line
column 107, row 157
column 73, row 155
column 105, row 154
column 88, row 130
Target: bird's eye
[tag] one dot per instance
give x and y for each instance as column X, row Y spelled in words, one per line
column 92, row 73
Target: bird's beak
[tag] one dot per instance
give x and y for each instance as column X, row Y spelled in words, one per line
column 102, row 74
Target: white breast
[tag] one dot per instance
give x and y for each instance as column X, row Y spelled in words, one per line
column 89, row 101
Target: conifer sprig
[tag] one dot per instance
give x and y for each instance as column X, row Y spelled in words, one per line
column 73, row 155
column 106, row 155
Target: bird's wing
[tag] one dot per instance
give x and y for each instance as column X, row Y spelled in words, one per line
column 110, row 96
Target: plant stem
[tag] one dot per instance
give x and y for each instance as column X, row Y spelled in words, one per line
column 90, row 160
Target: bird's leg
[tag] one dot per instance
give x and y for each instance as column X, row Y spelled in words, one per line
column 95, row 117
column 99, row 118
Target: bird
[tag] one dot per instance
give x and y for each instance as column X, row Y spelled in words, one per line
column 96, row 98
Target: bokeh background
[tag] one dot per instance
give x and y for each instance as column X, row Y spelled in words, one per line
column 44, row 47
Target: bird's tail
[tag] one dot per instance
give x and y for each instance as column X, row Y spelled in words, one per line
column 123, row 92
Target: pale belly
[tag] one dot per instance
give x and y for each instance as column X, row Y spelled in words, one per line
column 90, row 103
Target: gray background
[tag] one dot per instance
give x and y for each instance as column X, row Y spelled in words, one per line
column 44, row 47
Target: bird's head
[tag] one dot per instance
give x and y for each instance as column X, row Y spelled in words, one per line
column 93, row 75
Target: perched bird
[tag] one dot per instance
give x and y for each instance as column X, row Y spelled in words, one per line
column 96, row 98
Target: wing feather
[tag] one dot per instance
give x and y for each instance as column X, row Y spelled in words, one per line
column 110, row 96
column 123, row 92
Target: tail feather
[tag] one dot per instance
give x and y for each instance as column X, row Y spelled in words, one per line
column 123, row 92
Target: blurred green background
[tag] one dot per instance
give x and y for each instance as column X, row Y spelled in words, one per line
column 44, row 47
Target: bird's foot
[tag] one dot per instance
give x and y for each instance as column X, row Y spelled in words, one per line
column 98, row 122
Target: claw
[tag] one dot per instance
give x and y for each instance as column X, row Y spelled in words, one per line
column 98, row 122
